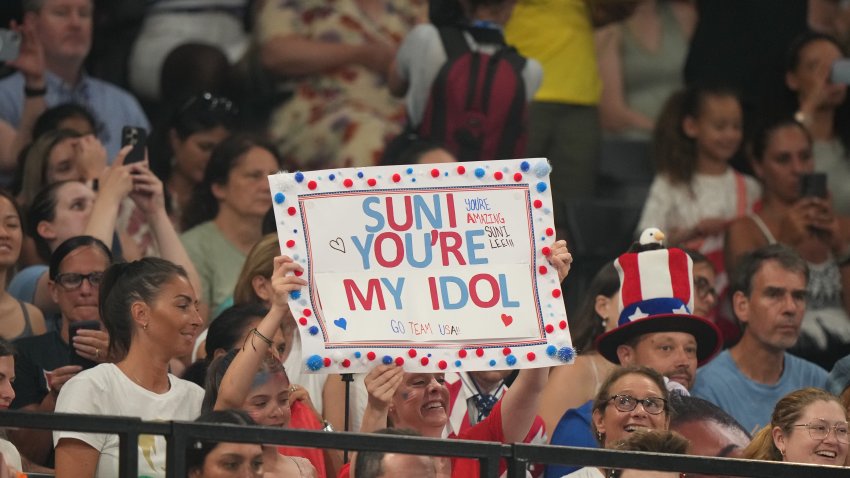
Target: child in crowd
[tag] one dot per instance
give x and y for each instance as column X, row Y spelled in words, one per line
column 696, row 194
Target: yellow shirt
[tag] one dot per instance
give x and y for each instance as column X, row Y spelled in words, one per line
column 559, row 35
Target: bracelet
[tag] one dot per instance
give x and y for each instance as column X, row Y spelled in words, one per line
column 262, row 337
column 34, row 92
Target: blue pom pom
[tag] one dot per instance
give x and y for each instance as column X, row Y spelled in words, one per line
column 542, row 169
column 279, row 198
column 492, row 363
column 524, row 166
column 511, row 360
column 299, row 176
column 479, row 172
column 313, row 330
column 331, row 176
column 409, row 170
column 314, row 362
column 295, row 294
column 541, row 186
column 458, row 363
column 551, row 350
column 360, row 174
column 387, row 360
column 357, row 354
column 566, row 354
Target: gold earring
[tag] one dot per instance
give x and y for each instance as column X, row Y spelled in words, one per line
column 145, row 327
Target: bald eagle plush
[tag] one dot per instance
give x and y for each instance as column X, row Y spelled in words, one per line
column 650, row 239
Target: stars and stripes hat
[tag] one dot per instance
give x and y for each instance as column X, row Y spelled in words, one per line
column 656, row 295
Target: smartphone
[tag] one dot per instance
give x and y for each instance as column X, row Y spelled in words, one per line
column 813, row 185
column 137, row 138
column 72, row 331
column 840, row 72
column 10, row 44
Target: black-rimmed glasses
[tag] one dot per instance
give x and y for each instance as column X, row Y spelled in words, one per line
column 210, row 103
column 627, row 403
column 72, row 280
column 819, row 429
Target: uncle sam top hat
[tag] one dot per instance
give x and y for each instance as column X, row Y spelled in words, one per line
column 656, row 295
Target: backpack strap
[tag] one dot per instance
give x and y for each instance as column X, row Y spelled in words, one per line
column 509, row 139
column 453, row 41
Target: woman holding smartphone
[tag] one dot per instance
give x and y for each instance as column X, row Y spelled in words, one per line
column 781, row 159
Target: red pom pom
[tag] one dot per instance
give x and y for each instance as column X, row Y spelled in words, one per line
column 442, row 365
column 461, row 353
column 461, row 169
column 396, row 177
column 538, row 204
column 290, row 243
column 498, row 175
column 424, row 360
column 399, row 361
column 435, row 173
column 479, row 352
column 291, row 211
column 346, row 363
column 370, row 355
column 556, row 293
column 531, row 356
column 302, row 321
column 371, row 182
column 517, row 177
column 543, row 270
column 327, row 362
column 307, row 312
column 562, row 324
column 298, row 272
column 411, row 353
column 311, row 185
column 550, row 328
column 550, row 231
column 506, row 351
column 546, row 251
column 348, row 183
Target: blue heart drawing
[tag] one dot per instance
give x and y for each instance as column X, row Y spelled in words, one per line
column 341, row 323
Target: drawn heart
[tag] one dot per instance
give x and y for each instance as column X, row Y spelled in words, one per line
column 338, row 245
column 341, row 323
column 507, row 319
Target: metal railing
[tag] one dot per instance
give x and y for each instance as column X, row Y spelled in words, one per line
column 180, row 435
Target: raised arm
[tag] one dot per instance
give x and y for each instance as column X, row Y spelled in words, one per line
column 149, row 196
column 114, row 184
column 236, row 383
column 381, row 384
column 520, row 403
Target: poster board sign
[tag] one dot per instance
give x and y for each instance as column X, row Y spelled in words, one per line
column 433, row 267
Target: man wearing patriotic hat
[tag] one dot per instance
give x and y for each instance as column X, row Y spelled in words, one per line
column 656, row 329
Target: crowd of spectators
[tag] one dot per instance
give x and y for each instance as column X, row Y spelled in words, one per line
column 154, row 289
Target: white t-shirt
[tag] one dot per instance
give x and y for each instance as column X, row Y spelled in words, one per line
column 105, row 390
column 586, row 472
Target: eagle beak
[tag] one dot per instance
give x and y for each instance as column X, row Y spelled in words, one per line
column 659, row 236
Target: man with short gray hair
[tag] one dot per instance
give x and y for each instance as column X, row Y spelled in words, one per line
column 51, row 70
column 769, row 299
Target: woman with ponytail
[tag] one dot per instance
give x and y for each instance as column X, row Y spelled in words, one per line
column 150, row 310
column 807, row 426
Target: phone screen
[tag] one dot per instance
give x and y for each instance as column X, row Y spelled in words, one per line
column 813, row 185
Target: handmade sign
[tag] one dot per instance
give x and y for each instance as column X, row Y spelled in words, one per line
column 436, row 267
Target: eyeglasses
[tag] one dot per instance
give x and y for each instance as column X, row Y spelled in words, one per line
column 72, row 280
column 627, row 403
column 819, row 429
column 209, row 103
column 704, row 287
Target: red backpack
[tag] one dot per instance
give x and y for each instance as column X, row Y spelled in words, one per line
column 477, row 108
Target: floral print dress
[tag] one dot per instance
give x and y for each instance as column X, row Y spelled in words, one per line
column 342, row 117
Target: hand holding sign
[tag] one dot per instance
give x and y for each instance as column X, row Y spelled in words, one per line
column 431, row 267
column 284, row 282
